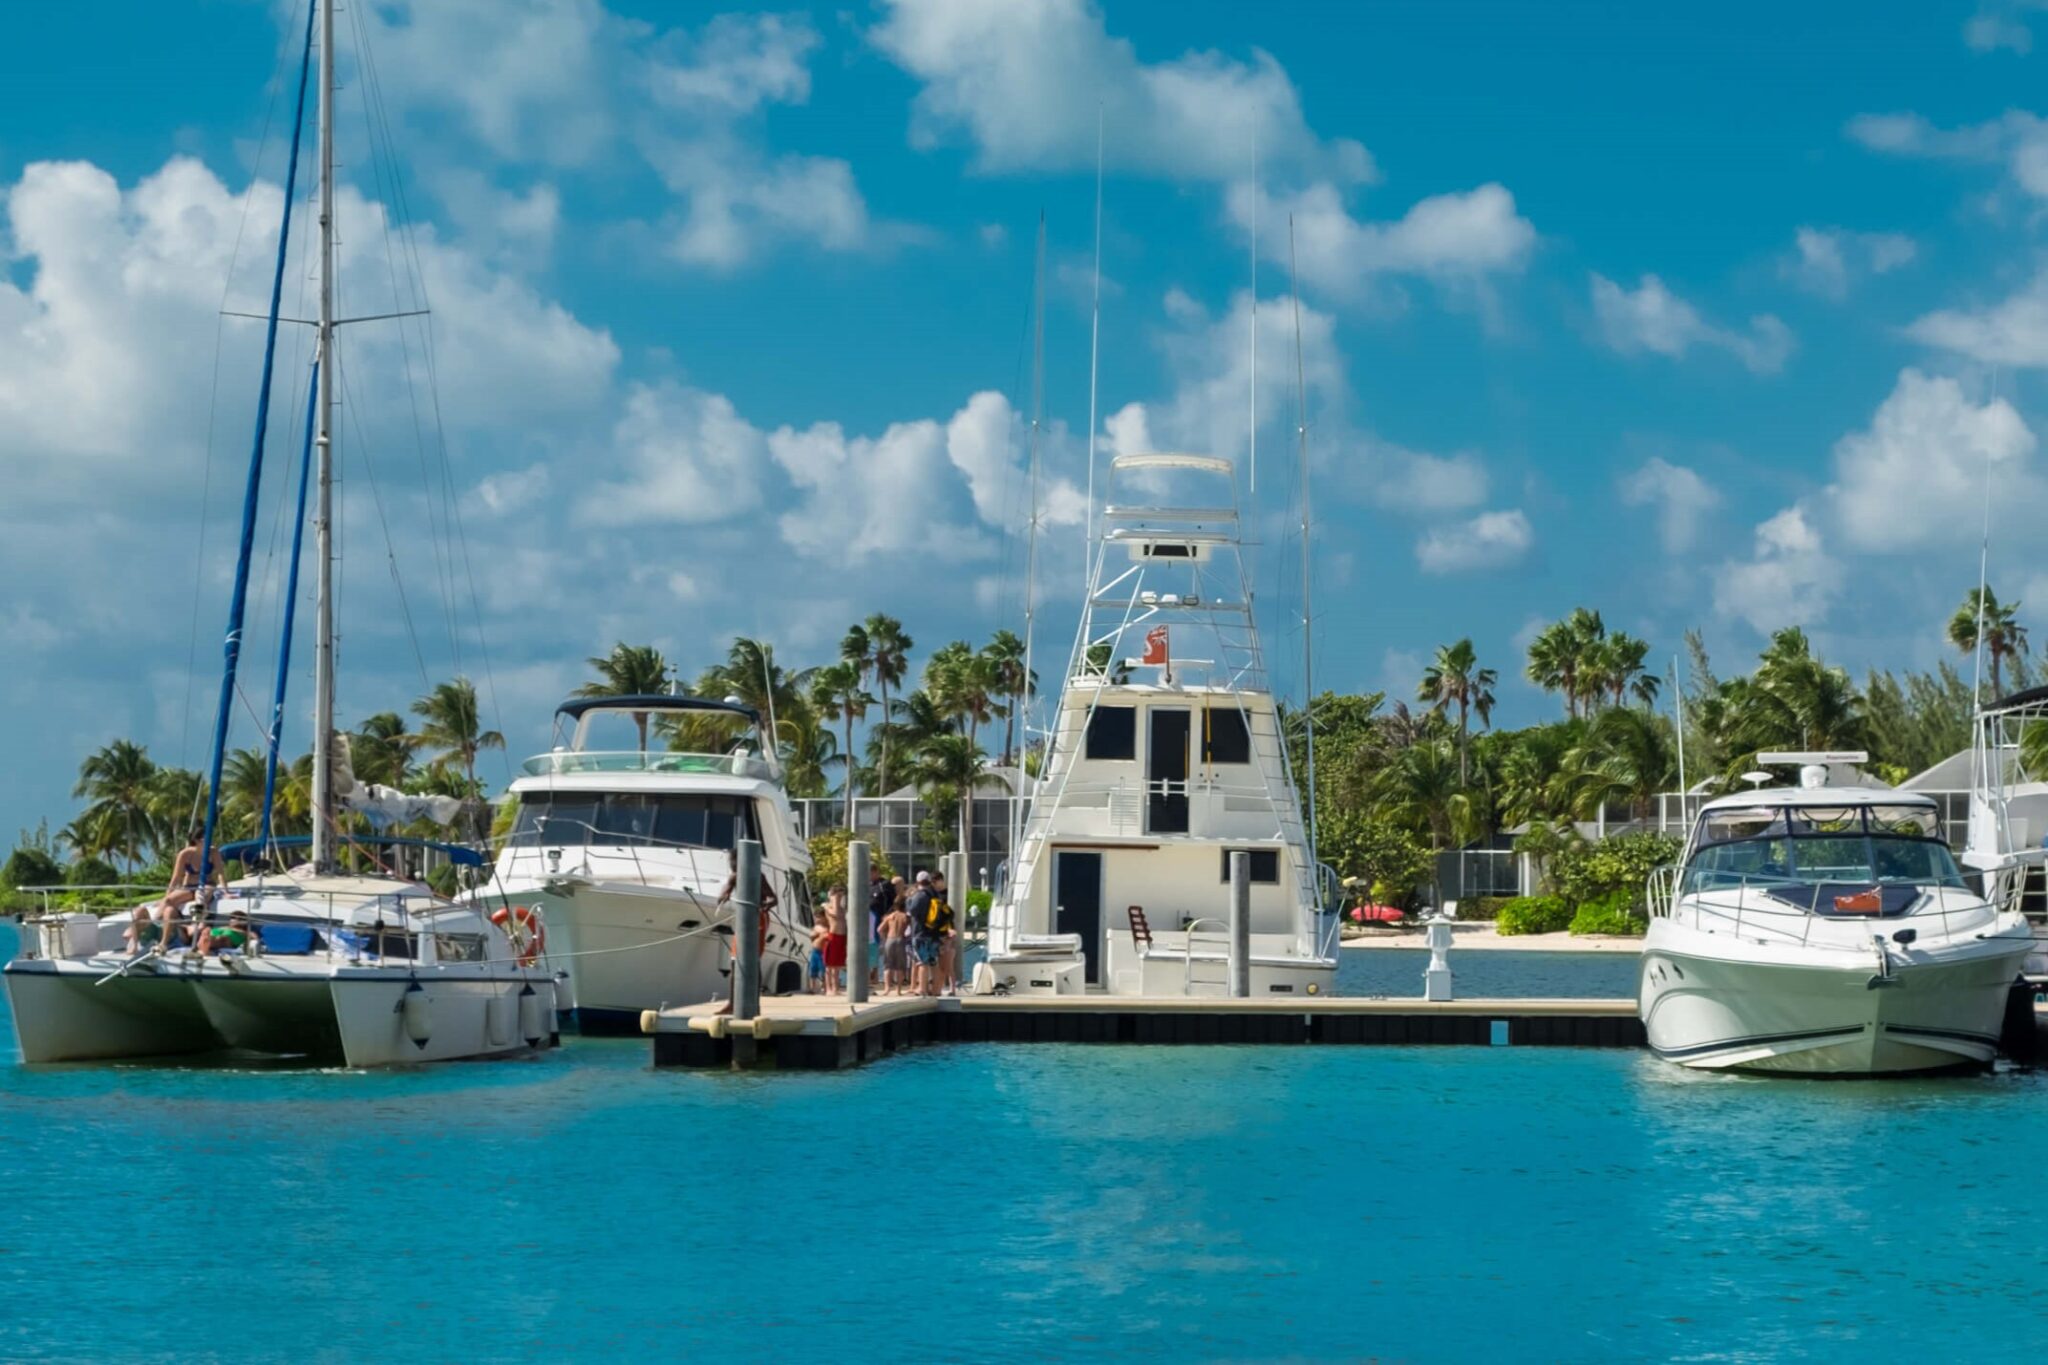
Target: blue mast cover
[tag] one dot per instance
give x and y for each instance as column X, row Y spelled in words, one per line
column 232, row 647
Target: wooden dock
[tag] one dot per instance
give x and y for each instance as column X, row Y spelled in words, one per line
column 825, row 1033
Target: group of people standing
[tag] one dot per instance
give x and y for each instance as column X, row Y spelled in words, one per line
column 913, row 936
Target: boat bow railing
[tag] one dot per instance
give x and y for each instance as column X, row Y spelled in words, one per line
column 566, row 761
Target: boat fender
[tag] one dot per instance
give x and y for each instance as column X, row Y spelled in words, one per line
column 984, row 979
column 416, row 1008
column 533, row 1026
column 500, row 1013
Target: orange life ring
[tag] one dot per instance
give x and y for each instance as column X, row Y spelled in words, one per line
column 529, row 934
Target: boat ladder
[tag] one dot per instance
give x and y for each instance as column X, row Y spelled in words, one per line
column 1207, row 958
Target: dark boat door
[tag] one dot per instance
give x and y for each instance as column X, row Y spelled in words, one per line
column 1166, row 772
column 1077, row 903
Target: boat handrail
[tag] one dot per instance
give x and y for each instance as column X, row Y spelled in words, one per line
column 565, row 761
column 1750, row 915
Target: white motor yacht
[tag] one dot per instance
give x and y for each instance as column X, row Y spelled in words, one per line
column 1165, row 758
column 1825, row 931
column 358, row 970
column 625, row 852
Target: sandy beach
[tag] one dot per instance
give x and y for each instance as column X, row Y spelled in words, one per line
column 1482, row 935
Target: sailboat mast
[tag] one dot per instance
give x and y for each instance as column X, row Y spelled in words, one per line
column 1021, row 704
column 1308, row 648
column 323, row 524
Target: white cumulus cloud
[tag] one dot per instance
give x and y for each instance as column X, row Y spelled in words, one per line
column 1680, row 498
column 1491, row 540
column 1650, row 318
column 1022, row 81
column 2015, row 139
column 1827, row 261
column 1788, row 580
column 1459, row 237
column 2012, row 333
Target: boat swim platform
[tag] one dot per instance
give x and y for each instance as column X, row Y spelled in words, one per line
column 827, row 1033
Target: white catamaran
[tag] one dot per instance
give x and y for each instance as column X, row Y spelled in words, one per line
column 319, row 962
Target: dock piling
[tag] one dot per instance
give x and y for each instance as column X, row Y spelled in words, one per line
column 746, row 931
column 1240, row 925
column 857, row 922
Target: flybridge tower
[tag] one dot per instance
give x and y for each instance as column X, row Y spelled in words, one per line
column 1166, row 758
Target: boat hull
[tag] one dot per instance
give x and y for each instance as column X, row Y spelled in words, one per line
column 62, row 1013
column 639, row 948
column 355, row 1016
column 1939, row 1010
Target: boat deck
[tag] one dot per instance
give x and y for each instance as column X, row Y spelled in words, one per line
column 816, row 1032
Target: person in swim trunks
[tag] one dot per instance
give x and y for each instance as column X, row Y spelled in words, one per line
column 234, row 936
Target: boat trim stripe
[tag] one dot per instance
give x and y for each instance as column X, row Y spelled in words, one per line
column 1731, row 1044
column 1960, row 1035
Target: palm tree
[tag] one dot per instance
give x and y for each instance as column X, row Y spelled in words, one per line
column 1005, row 657
column 1553, row 664
column 116, row 781
column 888, row 653
column 2000, row 632
column 242, row 780
column 629, row 671
column 381, row 750
column 1792, row 701
column 1455, row 677
column 453, row 727
column 177, row 801
column 1627, row 754
column 1420, row 787
column 836, row 692
column 950, row 763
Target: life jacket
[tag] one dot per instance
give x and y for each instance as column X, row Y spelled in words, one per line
column 938, row 916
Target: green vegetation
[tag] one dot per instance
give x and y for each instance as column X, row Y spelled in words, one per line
column 1613, row 913
column 828, row 862
column 1533, row 915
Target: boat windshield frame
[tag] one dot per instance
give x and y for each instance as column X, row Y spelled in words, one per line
column 1911, row 823
column 562, row 762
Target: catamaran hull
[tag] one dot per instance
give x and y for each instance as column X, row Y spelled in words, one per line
column 639, row 948
column 62, row 1014
column 1940, row 1011
column 357, row 1017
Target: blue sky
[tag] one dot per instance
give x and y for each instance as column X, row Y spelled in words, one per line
column 1708, row 319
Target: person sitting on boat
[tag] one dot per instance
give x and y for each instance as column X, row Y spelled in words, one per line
column 767, row 906
column 155, row 923
column 234, row 935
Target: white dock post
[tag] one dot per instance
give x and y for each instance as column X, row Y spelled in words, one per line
column 746, row 929
column 1436, row 978
column 1240, row 925
column 857, row 896
column 956, row 892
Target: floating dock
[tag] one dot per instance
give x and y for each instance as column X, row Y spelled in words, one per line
column 827, row 1033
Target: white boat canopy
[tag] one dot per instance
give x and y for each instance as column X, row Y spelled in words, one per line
column 1213, row 464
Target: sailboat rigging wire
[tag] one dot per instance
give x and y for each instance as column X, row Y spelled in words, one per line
column 1094, row 333
column 291, row 597
column 1308, row 657
column 362, row 448
column 276, row 84
column 1021, row 704
column 232, row 644
column 409, row 239
column 1253, row 492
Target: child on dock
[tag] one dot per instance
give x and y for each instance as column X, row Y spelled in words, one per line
column 896, row 949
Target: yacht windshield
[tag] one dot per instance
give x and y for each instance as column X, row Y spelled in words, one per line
column 662, row 819
column 1866, row 846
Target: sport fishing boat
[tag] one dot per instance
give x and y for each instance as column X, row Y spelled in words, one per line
column 624, row 852
column 323, row 962
column 1825, row 931
column 1165, row 758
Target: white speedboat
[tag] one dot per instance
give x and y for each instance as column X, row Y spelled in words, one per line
column 1825, row 931
column 1165, row 758
column 335, row 968
column 625, row 851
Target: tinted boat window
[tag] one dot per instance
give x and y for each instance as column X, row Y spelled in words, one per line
column 638, row 818
column 1113, row 733
column 1224, row 736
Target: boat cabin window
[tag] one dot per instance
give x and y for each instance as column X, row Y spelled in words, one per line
column 458, row 947
column 1852, row 846
column 1225, row 736
column 1265, row 865
column 1113, row 733
column 655, row 818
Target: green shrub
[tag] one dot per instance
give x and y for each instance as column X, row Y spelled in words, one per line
column 90, row 871
column 30, row 866
column 828, row 865
column 1533, row 915
column 1613, row 913
column 978, row 903
column 1484, row 907
column 1586, row 872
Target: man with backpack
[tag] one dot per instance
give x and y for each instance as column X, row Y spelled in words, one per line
column 931, row 919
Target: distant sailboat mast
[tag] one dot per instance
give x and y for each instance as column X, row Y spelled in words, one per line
column 1021, row 704
column 323, row 525
column 1308, row 648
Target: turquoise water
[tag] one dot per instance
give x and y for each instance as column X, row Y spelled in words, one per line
column 1018, row 1203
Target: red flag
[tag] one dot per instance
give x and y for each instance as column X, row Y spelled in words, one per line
column 1155, row 646
column 1861, row 903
